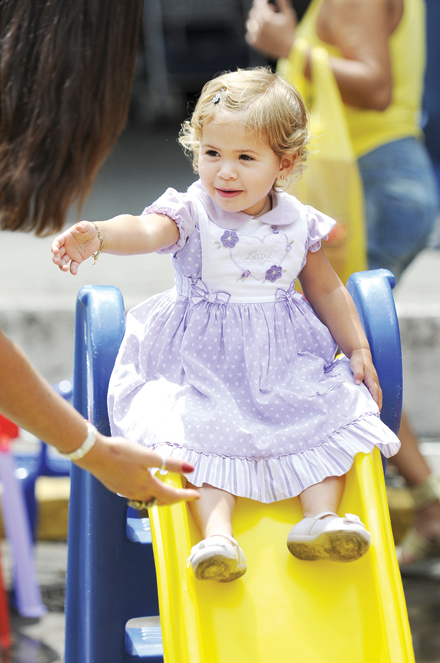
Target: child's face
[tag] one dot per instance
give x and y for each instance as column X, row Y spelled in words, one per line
column 237, row 169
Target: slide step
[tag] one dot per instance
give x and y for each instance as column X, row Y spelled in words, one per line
column 143, row 638
column 138, row 530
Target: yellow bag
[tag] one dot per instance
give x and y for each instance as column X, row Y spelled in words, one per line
column 331, row 181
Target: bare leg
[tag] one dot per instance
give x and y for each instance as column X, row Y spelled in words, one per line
column 213, row 512
column 324, row 496
column 409, row 461
column 415, row 470
column 217, row 557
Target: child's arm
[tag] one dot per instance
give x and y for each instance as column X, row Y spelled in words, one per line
column 335, row 308
column 123, row 235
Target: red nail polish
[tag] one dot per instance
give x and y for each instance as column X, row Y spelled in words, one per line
column 187, row 468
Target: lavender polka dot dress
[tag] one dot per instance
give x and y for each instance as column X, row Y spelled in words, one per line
column 231, row 370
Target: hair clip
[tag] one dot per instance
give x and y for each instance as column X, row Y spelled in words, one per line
column 217, row 97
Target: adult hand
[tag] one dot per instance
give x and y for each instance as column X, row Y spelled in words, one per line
column 123, row 467
column 270, row 31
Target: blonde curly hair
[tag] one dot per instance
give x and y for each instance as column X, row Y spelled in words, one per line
column 269, row 107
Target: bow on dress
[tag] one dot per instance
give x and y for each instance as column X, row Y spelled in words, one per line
column 200, row 292
column 289, row 295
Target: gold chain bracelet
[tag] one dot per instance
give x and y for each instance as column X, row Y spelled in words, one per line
column 97, row 253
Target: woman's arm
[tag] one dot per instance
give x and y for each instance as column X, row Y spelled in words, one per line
column 121, row 465
column 335, row 308
column 123, row 235
column 359, row 28
column 361, row 31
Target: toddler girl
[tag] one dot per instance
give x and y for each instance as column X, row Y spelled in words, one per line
column 233, row 370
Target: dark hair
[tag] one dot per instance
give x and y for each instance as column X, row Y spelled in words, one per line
column 66, row 69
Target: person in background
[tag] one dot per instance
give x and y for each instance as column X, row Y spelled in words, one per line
column 377, row 53
column 65, row 77
column 431, row 97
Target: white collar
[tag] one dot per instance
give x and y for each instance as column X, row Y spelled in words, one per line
column 285, row 210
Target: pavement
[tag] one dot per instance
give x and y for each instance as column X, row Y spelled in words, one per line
column 40, row 640
column 37, row 310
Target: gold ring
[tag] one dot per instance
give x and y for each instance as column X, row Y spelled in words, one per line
column 140, row 506
column 252, row 26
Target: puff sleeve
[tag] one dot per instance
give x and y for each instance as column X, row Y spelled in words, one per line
column 319, row 227
column 180, row 208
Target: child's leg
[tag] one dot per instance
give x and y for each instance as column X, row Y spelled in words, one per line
column 322, row 534
column 218, row 556
column 213, row 511
column 324, row 496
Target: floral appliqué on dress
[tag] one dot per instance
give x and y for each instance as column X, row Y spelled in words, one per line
column 259, row 259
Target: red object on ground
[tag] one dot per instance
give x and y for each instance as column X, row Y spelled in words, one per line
column 5, row 618
column 8, row 431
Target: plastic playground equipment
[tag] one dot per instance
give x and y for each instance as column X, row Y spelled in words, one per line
column 283, row 609
column 26, row 594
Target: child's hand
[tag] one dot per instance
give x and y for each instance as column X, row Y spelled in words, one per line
column 74, row 246
column 363, row 369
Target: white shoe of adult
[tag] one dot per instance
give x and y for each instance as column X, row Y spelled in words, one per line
column 223, row 562
column 329, row 537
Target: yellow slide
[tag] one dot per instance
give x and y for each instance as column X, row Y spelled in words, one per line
column 284, row 610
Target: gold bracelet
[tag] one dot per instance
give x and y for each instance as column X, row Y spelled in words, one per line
column 97, row 253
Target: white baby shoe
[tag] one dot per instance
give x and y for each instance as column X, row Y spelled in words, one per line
column 328, row 537
column 211, row 560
